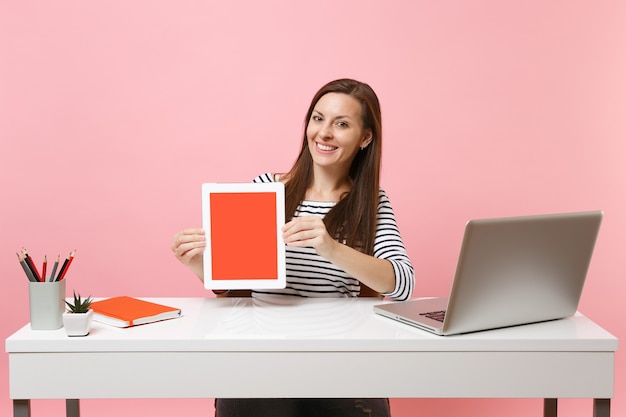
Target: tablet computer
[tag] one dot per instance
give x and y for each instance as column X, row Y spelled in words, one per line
column 244, row 245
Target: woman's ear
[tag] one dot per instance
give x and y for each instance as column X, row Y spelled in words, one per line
column 367, row 139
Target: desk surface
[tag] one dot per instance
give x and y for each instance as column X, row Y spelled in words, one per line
column 311, row 348
column 293, row 324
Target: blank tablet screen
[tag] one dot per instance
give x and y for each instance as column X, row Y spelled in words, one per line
column 244, row 244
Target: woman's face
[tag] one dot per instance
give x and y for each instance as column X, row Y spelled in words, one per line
column 335, row 131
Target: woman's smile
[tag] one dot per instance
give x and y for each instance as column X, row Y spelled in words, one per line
column 324, row 147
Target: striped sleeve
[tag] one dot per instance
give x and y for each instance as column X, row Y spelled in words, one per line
column 267, row 177
column 389, row 245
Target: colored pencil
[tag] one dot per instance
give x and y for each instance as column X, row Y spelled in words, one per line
column 27, row 270
column 54, row 268
column 62, row 268
column 68, row 264
column 65, row 266
column 44, row 267
column 31, row 265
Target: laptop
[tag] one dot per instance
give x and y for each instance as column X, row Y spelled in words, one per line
column 510, row 271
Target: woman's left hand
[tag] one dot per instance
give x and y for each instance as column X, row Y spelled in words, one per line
column 376, row 273
column 309, row 231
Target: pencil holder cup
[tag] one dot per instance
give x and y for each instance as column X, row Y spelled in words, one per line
column 47, row 304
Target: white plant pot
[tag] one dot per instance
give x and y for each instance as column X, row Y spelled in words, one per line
column 77, row 324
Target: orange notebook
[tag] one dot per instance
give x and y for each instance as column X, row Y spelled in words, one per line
column 126, row 311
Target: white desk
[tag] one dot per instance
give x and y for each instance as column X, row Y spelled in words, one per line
column 310, row 348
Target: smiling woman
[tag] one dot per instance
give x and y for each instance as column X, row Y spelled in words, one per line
column 341, row 235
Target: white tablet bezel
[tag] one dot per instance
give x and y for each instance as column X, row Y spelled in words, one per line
column 244, row 283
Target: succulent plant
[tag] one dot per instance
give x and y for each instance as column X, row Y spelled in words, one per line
column 80, row 305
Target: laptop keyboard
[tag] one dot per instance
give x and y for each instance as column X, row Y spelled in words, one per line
column 435, row 315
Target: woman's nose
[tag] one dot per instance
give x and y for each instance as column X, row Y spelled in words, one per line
column 326, row 131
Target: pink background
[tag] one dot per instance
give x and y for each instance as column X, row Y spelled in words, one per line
column 113, row 113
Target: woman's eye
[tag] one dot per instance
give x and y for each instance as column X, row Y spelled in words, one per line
column 342, row 124
column 316, row 118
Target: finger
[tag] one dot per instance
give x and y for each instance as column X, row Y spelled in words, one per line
column 290, row 225
column 190, row 254
column 187, row 236
column 301, row 223
column 304, row 243
column 187, row 251
column 292, row 232
column 302, row 236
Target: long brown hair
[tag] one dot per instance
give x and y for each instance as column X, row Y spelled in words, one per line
column 353, row 219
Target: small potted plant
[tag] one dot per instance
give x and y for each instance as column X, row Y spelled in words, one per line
column 77, row 319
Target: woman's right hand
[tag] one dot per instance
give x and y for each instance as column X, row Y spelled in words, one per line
column 188, row 247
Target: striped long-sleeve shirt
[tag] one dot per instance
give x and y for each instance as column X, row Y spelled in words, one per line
column 310, row 275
